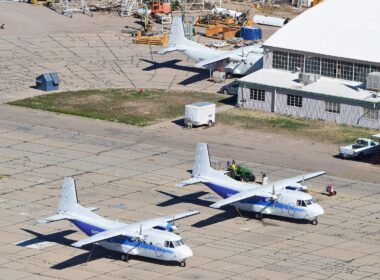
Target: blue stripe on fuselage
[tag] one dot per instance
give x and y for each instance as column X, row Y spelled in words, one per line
column 123, row 240
column 225, row 192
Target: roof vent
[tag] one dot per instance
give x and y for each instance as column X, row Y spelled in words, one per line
column 373, row 81
column 308, row 78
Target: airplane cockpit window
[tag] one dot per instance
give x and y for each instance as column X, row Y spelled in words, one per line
column 168, row 244
column 301, row 203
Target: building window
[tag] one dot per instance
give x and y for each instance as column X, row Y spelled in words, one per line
column 371, row 114
column 257, row 94
column 328, row 67
column 295, row 61
column 312, row 64
column 294, row 100
column 332, row 107
column 375, row 68
column 345, row 70
column 280, row 60
column 360, row 72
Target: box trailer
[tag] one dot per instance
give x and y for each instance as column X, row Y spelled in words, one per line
column 200, row 113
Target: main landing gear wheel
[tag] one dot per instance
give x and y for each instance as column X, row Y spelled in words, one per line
column 182, row 263
column 258, row 216
column 228, row 75
column 225, row 92
column 124, row 257
column 314, row 222
column 209, row 123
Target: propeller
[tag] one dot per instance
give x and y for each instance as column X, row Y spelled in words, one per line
column 141, row 237
column 274, row 195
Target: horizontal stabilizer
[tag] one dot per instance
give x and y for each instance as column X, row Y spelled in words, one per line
column 187, row 182
column 53, row 218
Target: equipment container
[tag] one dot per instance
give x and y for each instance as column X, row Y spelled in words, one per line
column 200, row 113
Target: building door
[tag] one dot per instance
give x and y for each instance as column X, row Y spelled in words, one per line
column 273, row 105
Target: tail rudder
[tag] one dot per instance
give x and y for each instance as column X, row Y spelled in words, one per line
column 177, row 33
column 201, row 166
column 68, row 200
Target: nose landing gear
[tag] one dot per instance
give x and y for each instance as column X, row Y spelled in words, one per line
column 314, row 222
column 182, row 263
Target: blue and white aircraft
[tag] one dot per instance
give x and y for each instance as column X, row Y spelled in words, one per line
column 286, row 198
column 152, row 238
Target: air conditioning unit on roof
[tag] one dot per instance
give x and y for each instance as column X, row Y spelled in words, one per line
column 308, row 78
column 373, row 81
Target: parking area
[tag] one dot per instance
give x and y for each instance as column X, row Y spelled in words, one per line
column 129, row 173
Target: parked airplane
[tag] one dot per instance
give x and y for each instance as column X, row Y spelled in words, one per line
column 152, row 238
column 284, row 198
column 241, row 61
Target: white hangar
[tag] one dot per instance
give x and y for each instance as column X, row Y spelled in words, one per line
column 324, row 64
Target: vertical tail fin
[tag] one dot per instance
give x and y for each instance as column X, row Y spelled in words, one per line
column 201, row 164
column 177, row 33
column 68, row 200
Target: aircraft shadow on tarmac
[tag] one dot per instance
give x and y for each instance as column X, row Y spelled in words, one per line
column 94, row 252
column 201, row 74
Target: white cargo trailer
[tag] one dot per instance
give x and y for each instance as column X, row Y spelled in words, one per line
column 200, row 113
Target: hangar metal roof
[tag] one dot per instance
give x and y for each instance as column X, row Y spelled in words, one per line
column 325, row 86
column 340, row 28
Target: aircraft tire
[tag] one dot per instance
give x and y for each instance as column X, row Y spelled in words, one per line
column 182, row 263
column 124, row 257
column 225, row 92
column 228, row 75
column 258, row 216
column 314, row 222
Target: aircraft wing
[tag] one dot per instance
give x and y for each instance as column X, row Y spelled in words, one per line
column 132, row 230
column 233, row 57
column 240, row 196
column 297, row 179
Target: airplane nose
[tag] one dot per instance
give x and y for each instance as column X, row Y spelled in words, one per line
column 185, row 252
column 317, row 210
column 320, row 210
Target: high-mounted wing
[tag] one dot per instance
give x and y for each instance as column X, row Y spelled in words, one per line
column 132, row 230
column 241, row 196
column 297, row 179
column 233, row 57
column 124, row 230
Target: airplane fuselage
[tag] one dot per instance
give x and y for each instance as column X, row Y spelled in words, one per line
column 157, row 244
column 290, row 203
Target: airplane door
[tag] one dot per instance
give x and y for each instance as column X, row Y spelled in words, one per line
column 291, row 209
column 157, row 248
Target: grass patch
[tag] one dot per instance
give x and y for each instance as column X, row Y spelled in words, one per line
column 120, row 105
column 316, row 131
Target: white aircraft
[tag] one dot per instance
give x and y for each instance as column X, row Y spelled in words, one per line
column 153, row 238
column 241, row 61
column 284, row 198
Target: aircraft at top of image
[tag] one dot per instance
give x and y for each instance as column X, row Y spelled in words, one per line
column 240, row 61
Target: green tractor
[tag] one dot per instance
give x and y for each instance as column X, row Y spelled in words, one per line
column 240, row 173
